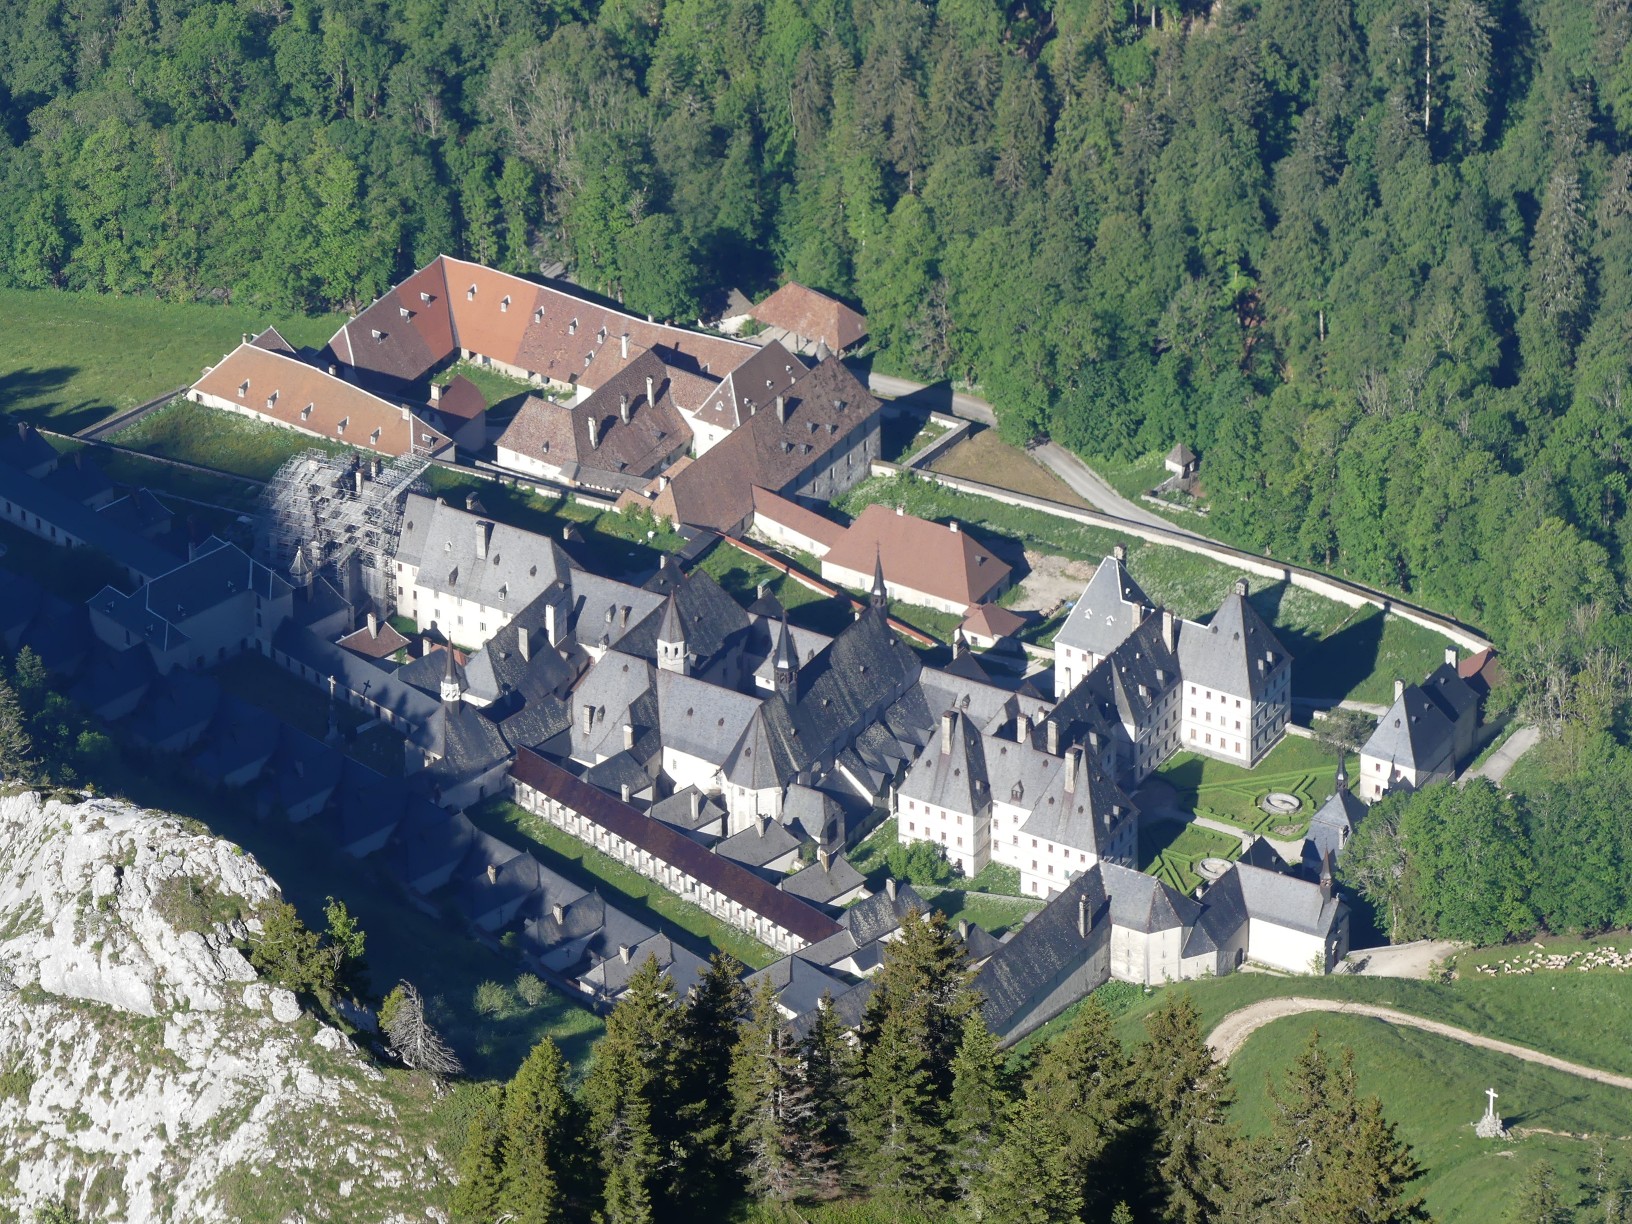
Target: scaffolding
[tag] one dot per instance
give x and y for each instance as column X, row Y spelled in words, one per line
column 337, row 517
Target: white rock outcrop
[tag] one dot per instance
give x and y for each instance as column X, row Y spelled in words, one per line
column 144, row 1067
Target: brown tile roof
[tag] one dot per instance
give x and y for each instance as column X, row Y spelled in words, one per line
column 636, row 448
column 717, row 490
column 990, row 620
column 758, row 381
column 937, row 560
column 673, row 847
column 382, row 643
column 461, row 400
column 532, row 327
column 796, row 518
column 812, row 316
column 273, row 342
column 292, row 393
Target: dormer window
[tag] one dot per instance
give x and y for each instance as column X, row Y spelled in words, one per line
column 243, row 388
column 404, row 312
column 424, row 297
column 374, row 438
column 470, row 294
column 272, row 401
column 572, row 328
column 377, row 334
column 504, row 304
column 306, row 412
column 538, row 315
column 341, row 428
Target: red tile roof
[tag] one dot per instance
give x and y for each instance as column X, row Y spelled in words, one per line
column 990, row 620
column 812, row 316
column 796, row 518
column 289, row 392
column 927, row 557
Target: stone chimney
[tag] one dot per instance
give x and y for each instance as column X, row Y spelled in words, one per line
column 492, row 874
column 628, row 737
column 554, row 624
column 696, row 804
column 589, row 718
column 1120, row 552
column 1241, row 587
column 1073, row 761
column 761, row 823
column 594, row 432
column 623, row 792
column 623, row 407
column 651, row 391
column 484, row 535
column 948, row 720
column 889, row 887
column 623, row 952
column 824, row 857
column 1085, row 917
column 963, row 929
column 1053, row 737
column 373, row 625
column 524, row 643
column 1170, row 638
column 436, row 393
column 782, row 409
column 623, row 346
column 558, row 912
column 1326, row 875
column 954, row 526
column 1399, row 688
column 1450, row 656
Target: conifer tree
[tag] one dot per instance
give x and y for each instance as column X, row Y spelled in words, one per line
column 1185, row 1095
column 630, row 1092
column 1540, row 1203
column 1331, row 1155
column 773, row 1115
column 1084, row 1080
column 830, row 1069
column 16, row 746
column 909, row 1038
column 481, row 1169
column 980, row 1096
column 1029, row 1179
column 700, row 1128
column 535, row 1138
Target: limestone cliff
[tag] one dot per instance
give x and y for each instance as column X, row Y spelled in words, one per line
column 145, row 1071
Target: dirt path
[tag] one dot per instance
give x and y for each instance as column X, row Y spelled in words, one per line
column 1232, row 1032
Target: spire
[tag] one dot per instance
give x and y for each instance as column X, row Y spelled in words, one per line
column 671, row 638
column 1342, row 775
column 786, row 660
column 881, row 597
column 1326, row 874
column 452, row 687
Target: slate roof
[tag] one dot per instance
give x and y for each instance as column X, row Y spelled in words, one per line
column 813, row 316
column 824, row 885
column 758, row 845
column 1107, row 612
column 943, row 561
column 305, row 397
column 1043, row 950
column 80, row 478
column 162, row 607
column 139, row 512
column 60, row 634
column 469, row 742
column 1081, row 807
column 23, row 599
column 707, row 619
column 135, row 552
column 690, row 810
column 1283, row 900
column 1332, row 823
column 302, row 768
column 427, row 840
column 1236, row 652
column 799, row 985
column 682, row 967
column 519, row 656
column 752, row 384
column 671, row 846
column 1414, row 734
column 177, row 702
column 109, row 674
column 626, row 451
column 385, row 689
column 845, row 687
column 241, row 735
column 1181, row 454
column 443, row 543
column 365, row 803
column 817, row 815
column 1143, row 903
column 1452, row 694
column 24, row 447
column 822, row 408
column 951, row 773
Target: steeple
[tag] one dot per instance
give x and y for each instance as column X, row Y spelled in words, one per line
column 787, row 661
column 1342, row 776
column 881, row 596
column 452, row 687
column 671, row 638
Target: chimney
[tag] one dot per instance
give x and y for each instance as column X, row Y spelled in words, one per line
column 589, row 718
column 1073, row 760
column 1169, row 638
column 963, row 929
column 1120, row 552
column 623, row 792
column 1399, row 689
column 948, row 719
column 759, row 591
column 1093, row 740
column 1053, row 737
column 594, row 432
column 524, row 643
column 558, row 912
column 1450, row 656
column 782, row 409
column 1085, row 920
column 761, row 823
column 628, row 737
column 954, row 525
column 889, row 887
column 696, row 804
column 484, row 535
column 1022, row 727
column 247, row 337
column 334, row 370
column 492, row 874
column 1241, row 587
column 357, row 479
column 436, row 393
column 553, row 624
column 824, row 857
column 623, row 407
column 623, row 952
column 1326, row 875
column 623, row 346
column 373, row 625
column 651, row 391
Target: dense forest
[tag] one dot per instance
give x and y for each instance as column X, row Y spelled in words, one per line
column 1372, row 258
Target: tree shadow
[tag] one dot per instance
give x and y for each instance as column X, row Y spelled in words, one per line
column 27, row 392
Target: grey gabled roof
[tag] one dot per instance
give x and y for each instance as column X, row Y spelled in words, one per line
column 1110, row 608
column 759, row 844
column 1414, row 734
column 1042, row 951
column 824, row 885
column 1143, row 903
column 413, row 707
column 683, row 968
column 701, row 719
column 951, row 773
column 1452, row 694
column 1080, row 807
column 876, row 916
column 799, row 985
column 1235, row 652
column 427, row 840
column 1284, row 900
column 443, row 542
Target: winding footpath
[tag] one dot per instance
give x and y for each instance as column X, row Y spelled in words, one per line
column 1232, row 1031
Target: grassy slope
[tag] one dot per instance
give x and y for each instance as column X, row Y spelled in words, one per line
column 143, row 347
column 221, row 440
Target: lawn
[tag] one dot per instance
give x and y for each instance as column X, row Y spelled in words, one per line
column 303, row 706
column 642, row 899
column 225, row 441
column 1229, row 793
column 504, row 395
column 144, row 347
column 985, row 457
column 1172, row 851
column 904, row 434
column 1132, row 478
column 1361, row 661
column 224, row 497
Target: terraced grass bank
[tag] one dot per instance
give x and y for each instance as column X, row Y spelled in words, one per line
column 1229, row 793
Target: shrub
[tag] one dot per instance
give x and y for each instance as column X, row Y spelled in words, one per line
column 531, row 990
column 492, row 999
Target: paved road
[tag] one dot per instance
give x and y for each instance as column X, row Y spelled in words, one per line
column 1504, row 758
column 941, row 397
column 1411, row 960
column 1233, row 1030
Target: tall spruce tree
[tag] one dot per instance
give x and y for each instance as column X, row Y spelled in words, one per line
column 1331, row 1157
column 980, row 1096
column 773, row 1113
column 701, row 1133
column 830, row 1071
column 480, row 1172
column 1084, row 1080
column 1029, row 1178
column 16, row 746
column 1185, row 1095
column 630, row 1093
column 536, row 1138
column 901, row 1105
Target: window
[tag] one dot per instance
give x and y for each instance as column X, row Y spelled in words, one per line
column 1034, row 846
column 911, row 827
column 960, row 843
column 1238, row 703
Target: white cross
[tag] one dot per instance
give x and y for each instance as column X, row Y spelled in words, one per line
column 1490, row 1110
